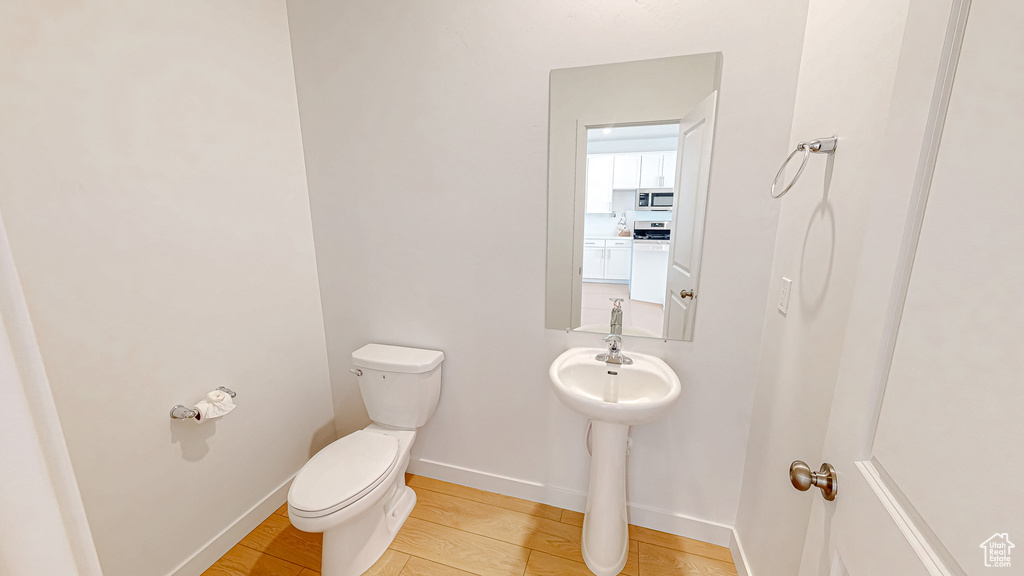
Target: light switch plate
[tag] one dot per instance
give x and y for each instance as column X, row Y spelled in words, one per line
column 784, row 290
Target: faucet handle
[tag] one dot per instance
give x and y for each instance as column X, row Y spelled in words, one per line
column 614, row 353
column 616, row 302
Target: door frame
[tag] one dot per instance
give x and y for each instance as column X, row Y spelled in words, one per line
column 919, row 200
column 583, row 124
column 58, row 538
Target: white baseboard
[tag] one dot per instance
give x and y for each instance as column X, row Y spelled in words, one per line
column 506, row 485
column 221, row 543
column 738, row 557
column 664, row 521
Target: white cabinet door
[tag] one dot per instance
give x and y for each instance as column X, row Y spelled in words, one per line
column 668, row 168
column 599, row 183
column 618, row 260
column 593, row 259
column 658, row 169
column 627, row 172
column 651, row 169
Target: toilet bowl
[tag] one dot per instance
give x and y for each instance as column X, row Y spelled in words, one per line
column 354, row 492
column 354, row 489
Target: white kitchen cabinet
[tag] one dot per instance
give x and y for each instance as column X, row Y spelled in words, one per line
column 607, row 259
column 668, row 168
column 593, row 259
column 650, row 169
column 658, row 169
column 626, row 175
column 618, row 256
column 600, row 170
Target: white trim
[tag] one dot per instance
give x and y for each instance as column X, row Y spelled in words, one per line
column 918, row 202
column 40, row 441
column 739, row 557
column 655, row 519
column 533, row 491
column 905, row 520
column 219, row 545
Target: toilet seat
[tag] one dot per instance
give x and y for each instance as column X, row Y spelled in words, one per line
column 342, row 473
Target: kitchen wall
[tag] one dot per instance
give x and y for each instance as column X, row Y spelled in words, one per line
column 845, row 90
column 607, row 225
column 602, row 225
column 153, row 190
column 439, row 112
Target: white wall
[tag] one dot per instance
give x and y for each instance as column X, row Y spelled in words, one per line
column 846, row 83
column 41, row 486
column 152, row 185
column 438, row 112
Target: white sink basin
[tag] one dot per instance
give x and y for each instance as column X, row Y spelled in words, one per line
column 614, row 393
column 614, row 397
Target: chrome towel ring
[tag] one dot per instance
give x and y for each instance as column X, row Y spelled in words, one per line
column 819, row 146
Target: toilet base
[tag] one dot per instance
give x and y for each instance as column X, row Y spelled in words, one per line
column 350, row 549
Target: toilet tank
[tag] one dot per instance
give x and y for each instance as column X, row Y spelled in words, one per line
column 400, row 386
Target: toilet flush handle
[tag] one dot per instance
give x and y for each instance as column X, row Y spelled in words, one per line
column 356, row 371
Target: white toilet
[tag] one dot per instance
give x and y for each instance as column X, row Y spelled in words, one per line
column 354, row 490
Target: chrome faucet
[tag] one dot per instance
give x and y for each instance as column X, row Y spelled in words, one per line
column 614, row 354
column 616, row 323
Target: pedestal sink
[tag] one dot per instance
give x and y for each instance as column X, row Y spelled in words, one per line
column 614, row 397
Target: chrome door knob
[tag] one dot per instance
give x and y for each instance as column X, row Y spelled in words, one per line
column 803, row 478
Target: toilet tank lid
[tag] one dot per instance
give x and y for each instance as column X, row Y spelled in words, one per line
column 397, row 358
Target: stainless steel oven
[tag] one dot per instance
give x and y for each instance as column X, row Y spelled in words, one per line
column 654, row 199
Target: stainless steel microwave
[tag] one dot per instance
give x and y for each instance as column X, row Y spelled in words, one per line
column 654, row 199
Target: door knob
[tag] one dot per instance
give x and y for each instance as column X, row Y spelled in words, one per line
column 803, row 478
column 686, row 293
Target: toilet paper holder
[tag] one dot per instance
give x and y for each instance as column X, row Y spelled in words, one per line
column 179, row 412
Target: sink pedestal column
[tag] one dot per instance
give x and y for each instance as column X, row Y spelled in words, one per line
column 605, row 526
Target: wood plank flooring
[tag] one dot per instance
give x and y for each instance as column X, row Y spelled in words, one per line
column 459, row 531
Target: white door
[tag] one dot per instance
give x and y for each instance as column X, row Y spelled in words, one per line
column 926, row 427
column 696, row 132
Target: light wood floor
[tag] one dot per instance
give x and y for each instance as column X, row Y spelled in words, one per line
column 596, row 308
column 460, row 531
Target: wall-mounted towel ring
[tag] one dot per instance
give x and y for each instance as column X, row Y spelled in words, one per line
column 819, row 146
